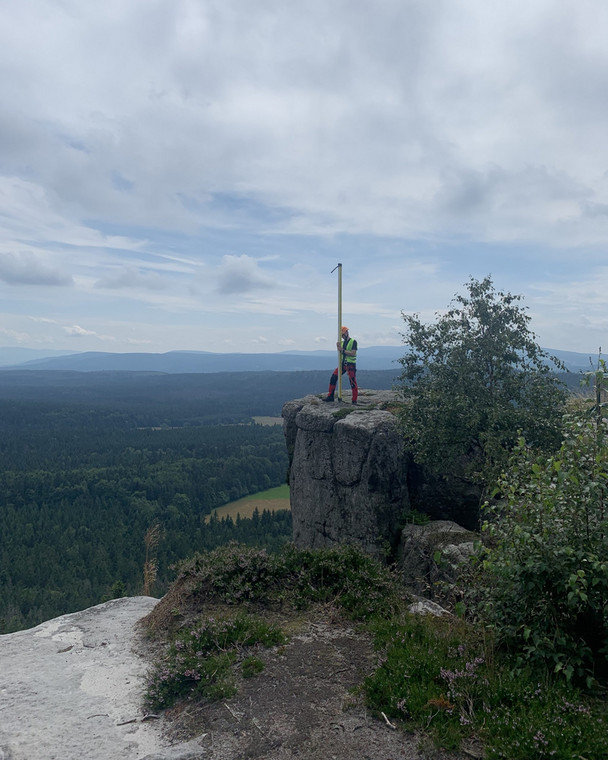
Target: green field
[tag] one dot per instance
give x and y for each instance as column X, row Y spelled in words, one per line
column 268, row 420
column 273, row 500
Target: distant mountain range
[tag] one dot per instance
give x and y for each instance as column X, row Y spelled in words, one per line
column 372, row 358
column 13, row 356
column 376, row 357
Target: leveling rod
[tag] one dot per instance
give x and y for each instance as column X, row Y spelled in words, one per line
column 339, row 268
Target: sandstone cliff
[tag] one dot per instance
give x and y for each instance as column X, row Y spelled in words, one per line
column 348, row 472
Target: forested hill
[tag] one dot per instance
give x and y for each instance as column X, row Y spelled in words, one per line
column 174, row 399
column 90, row 461
column 371, row 357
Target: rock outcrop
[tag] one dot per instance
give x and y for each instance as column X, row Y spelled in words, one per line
column 72, row 688
column 430, row 556
column 352, row 481
column 348, row 472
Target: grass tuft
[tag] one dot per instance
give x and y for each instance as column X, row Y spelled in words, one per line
column 199, row 661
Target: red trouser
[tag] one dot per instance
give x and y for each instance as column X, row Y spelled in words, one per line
column 351, row 371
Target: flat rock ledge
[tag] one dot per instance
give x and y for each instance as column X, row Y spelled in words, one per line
column 72, row 687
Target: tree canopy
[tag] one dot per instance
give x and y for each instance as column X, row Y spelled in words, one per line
column 80, row 487
column 474, row 380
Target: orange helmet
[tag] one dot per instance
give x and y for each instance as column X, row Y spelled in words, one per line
column 344, row 330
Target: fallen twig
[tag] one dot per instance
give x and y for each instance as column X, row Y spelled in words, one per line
column 147, row 716
column 388, row 723
column 231, row 711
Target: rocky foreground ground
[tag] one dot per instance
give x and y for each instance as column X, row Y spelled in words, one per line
column 71, row 688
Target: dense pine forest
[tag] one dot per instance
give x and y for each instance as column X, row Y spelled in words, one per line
column 91, row 461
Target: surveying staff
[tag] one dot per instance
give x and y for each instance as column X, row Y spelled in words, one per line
column 348, row 351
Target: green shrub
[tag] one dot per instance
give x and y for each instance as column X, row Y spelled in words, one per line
column 234, row 573
column 201, row 658
column 437, row 675
column 408, row 684
column 546, row 568
column 340, row 414
column 472, row 380
column 251, row 666
column 344, row 575
column 418, row 518
column 542, row 720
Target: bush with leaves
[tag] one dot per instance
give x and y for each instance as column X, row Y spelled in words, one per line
column 546, row 575
column 441, row 676
column 344, row 575
column 473, row 380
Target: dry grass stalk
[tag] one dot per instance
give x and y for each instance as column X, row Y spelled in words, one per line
column 151, row 540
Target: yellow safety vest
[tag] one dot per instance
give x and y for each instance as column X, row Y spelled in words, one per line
column 349, row 347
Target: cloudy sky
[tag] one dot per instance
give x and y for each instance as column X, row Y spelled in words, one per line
column 186, row 174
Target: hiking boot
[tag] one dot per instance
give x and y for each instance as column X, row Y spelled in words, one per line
column 354, row 403
column 328, row 398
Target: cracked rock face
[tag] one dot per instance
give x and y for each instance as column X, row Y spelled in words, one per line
column 348, row 473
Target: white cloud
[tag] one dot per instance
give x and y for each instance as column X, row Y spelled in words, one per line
column 43, row 320
column 18, row 337
column 342, row 140
column 572, row 313
column 142, row 145
column 24, row 268
column 78, row 332
column 33, row 212
column 132, row 278
column 241, row 274
column 136, row 342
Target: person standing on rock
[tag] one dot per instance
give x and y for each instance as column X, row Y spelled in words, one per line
column 348, row 352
